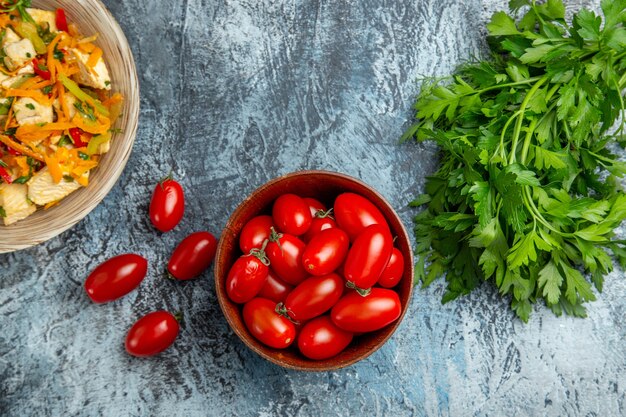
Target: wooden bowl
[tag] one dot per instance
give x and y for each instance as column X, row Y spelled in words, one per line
column 324, row 186
column 91, row 16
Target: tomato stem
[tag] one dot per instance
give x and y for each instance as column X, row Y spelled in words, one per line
column 284, row 311
column 322, row 214
column 260, row 253
column 363, row 292
column 275, row 237
column 180, row 318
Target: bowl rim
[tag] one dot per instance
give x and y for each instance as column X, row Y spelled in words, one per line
column 13, row 244
column 219, row 271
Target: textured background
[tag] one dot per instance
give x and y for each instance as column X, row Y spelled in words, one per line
column 233, row 94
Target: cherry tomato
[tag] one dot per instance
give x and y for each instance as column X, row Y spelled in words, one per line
column 314, row 205
column 393, row 271
column 291, row 214
column 152, row 334
column 285, row 254
column 368, row 257
column 321, row 339
column 247, row 276
column 354, row 213
column 167, row 205
column 355, row 313
column 266, row 325
column 325, row 252
column 275, row 289
column 192, row 256
column 255, row 232
column 313, row 297
column 322, row 220
column 116, row 277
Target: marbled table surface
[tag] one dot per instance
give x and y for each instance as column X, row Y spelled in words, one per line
column 234, row 93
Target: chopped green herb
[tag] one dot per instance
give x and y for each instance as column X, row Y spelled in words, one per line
column 83, row 156
column 65, row 140
column 29, row 55
column 47, row 89
column 11, row 131
column 107, row 83
column 116, row 130
column 58, row 55
column 86, row 110
column 68, row 178
column 30, row 106
column 23, row 179
column 3, row 164
column 2, row 212
column 526, row 195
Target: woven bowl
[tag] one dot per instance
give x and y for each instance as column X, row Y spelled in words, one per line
column 91, row 17
column 325, row 186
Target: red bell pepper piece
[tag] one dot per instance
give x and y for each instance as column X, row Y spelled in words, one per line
column 4, row 174
column 13, row 151
column 61, row 20
column 77, row 137
column 41, row 70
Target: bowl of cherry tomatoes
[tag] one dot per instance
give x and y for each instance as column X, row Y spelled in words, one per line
column 314, row 271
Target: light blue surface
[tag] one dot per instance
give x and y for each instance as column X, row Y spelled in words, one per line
column 235, row 93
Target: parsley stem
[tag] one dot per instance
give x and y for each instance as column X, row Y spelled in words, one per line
column 504, row 129
column 527, row 140
column 500, row 86
column 520, row 118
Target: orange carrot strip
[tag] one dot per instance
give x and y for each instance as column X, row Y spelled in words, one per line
column 20, row 148
column 51, row 59
column 94, row 57
column 54, row 168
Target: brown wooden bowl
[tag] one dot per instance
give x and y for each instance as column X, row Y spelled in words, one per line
column 324, row 186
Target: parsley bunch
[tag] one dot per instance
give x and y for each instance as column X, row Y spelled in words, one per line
column 526, row 195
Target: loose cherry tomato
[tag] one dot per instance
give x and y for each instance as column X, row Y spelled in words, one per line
column 275, row 289
column 116, row 277
column 313, row 297
column 368, row 257
column 322, row 220
column 354, row 213
column 321, row 339
column 168, row 205
column 192, row 256
column 325, row 252
column 314, row 205
column 255, row 232
column 152, row 334
column 355, row 313
column 285, row 254
column 266, row 325
column 291, row 214
column 247, row 276
column 393, row 271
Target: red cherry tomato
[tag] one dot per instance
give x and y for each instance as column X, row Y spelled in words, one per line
column 116, row 277
column 368, row 257
column 314, row 205
column 255, row 232
column 192, row 256
column 355, row 313
column 266, row 325
column 321, row 339
column 152, row 334
column 392, row 273
column 285, row 254
column 291, row 214
column 354, row 213
column 247, row 276
column 275, row 289
column 325, row 252
column 321, row 221
column 168, row 205
column 313, row 297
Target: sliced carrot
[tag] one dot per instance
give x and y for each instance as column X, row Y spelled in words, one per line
column 94, row 57
column 54, row 168
column 21, row 148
